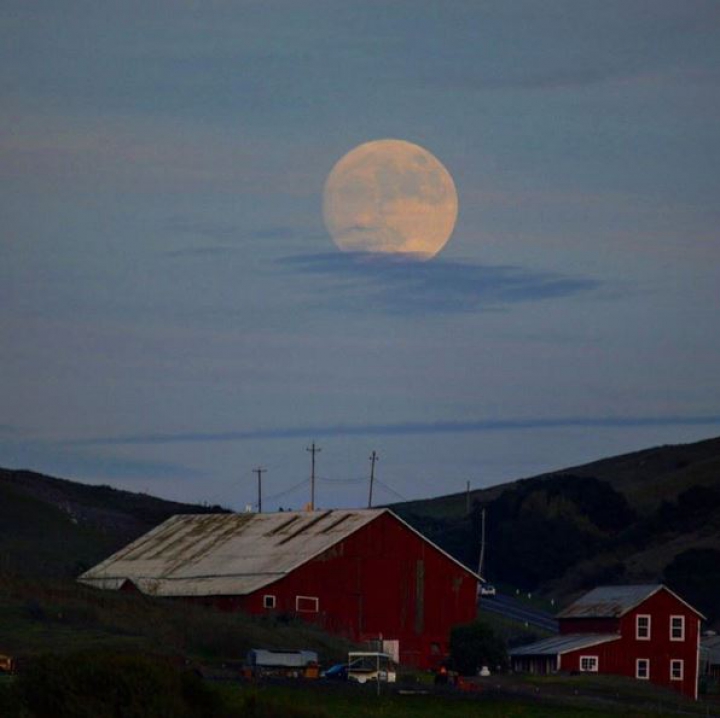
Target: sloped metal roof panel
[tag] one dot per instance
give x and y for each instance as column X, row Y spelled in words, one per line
column 563, row 644
column 710, row 646
column 226, row 554
column 609, row 601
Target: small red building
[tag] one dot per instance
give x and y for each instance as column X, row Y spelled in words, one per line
column 364, row 574
column 644, row 632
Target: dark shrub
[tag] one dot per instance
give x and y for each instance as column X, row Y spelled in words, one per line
column 101, row 685
column 475, row 645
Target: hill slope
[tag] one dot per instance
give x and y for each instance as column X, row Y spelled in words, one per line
column 647, row 516
column 54, row 528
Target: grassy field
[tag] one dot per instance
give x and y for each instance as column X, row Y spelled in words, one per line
column 63, row 616
column 339, row 702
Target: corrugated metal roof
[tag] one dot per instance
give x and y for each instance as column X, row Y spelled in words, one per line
column 226, row 554
column 609, row 601
column 563, row 644
column 710, row 646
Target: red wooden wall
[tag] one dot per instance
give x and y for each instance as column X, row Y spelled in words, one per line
column 618, row 657
column 382, row 580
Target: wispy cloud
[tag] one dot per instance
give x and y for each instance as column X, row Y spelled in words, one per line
column 225, row 230
column 404, row 429
column 198, row 252
column 406, row 286
column 74, row 461
column 225, row 237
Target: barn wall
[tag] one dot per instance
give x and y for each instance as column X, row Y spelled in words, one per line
column 619, row 657
column 661, row 606
column 382, row 580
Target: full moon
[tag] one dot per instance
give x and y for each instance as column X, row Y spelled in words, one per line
column 390, row 197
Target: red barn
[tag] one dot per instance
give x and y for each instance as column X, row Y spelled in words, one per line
column 363, row 574
column 644, row 632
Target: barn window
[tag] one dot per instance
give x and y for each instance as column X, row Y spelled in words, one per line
column 677, row 628
column 307, row 604
column 589, row 664
column 677, row 667
column 269, row 601
column 642, row 669
column 642, row 628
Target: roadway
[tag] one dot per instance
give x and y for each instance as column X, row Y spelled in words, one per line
column 510, row 607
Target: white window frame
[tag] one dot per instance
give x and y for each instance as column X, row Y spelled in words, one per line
column 682, row 628
column 298, row 599
column 681, row 664
column 593, row 660
column 646, row 661
column 269, row 601
column 638, row 637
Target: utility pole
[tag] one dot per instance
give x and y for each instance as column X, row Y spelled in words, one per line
column 467, row 499
column 481, row 562
column 259, row 471
column 313, row 450
column 373, row 459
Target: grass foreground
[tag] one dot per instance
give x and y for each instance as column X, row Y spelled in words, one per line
column 328, row 701
column 61, row 617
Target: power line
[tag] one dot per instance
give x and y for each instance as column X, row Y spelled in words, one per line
column 289, row 490
column 390, row 490
column 340, row 481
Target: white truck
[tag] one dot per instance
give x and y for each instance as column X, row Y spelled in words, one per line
column 364, row 666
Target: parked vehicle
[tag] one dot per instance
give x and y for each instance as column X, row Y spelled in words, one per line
column 338, row 672
column 263, row 663
column 364, row 666
column 7, row 663
column 487, row 590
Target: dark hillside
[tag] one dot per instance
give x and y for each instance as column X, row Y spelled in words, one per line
column 57, row 528
column 653, row 475
column 645, row 477
column 648, row 516
column 52, row 529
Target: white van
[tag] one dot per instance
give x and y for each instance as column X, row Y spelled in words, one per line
column 364, row 666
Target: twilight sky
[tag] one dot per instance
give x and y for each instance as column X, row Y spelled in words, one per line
column 173, row 312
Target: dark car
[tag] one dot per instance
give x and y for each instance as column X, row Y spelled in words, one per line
column 338, row 672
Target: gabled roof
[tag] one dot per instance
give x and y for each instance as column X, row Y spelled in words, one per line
column 229, row 554
column 615, row 601
column 557, row 645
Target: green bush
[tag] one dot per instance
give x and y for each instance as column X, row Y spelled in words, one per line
column 474, row 645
